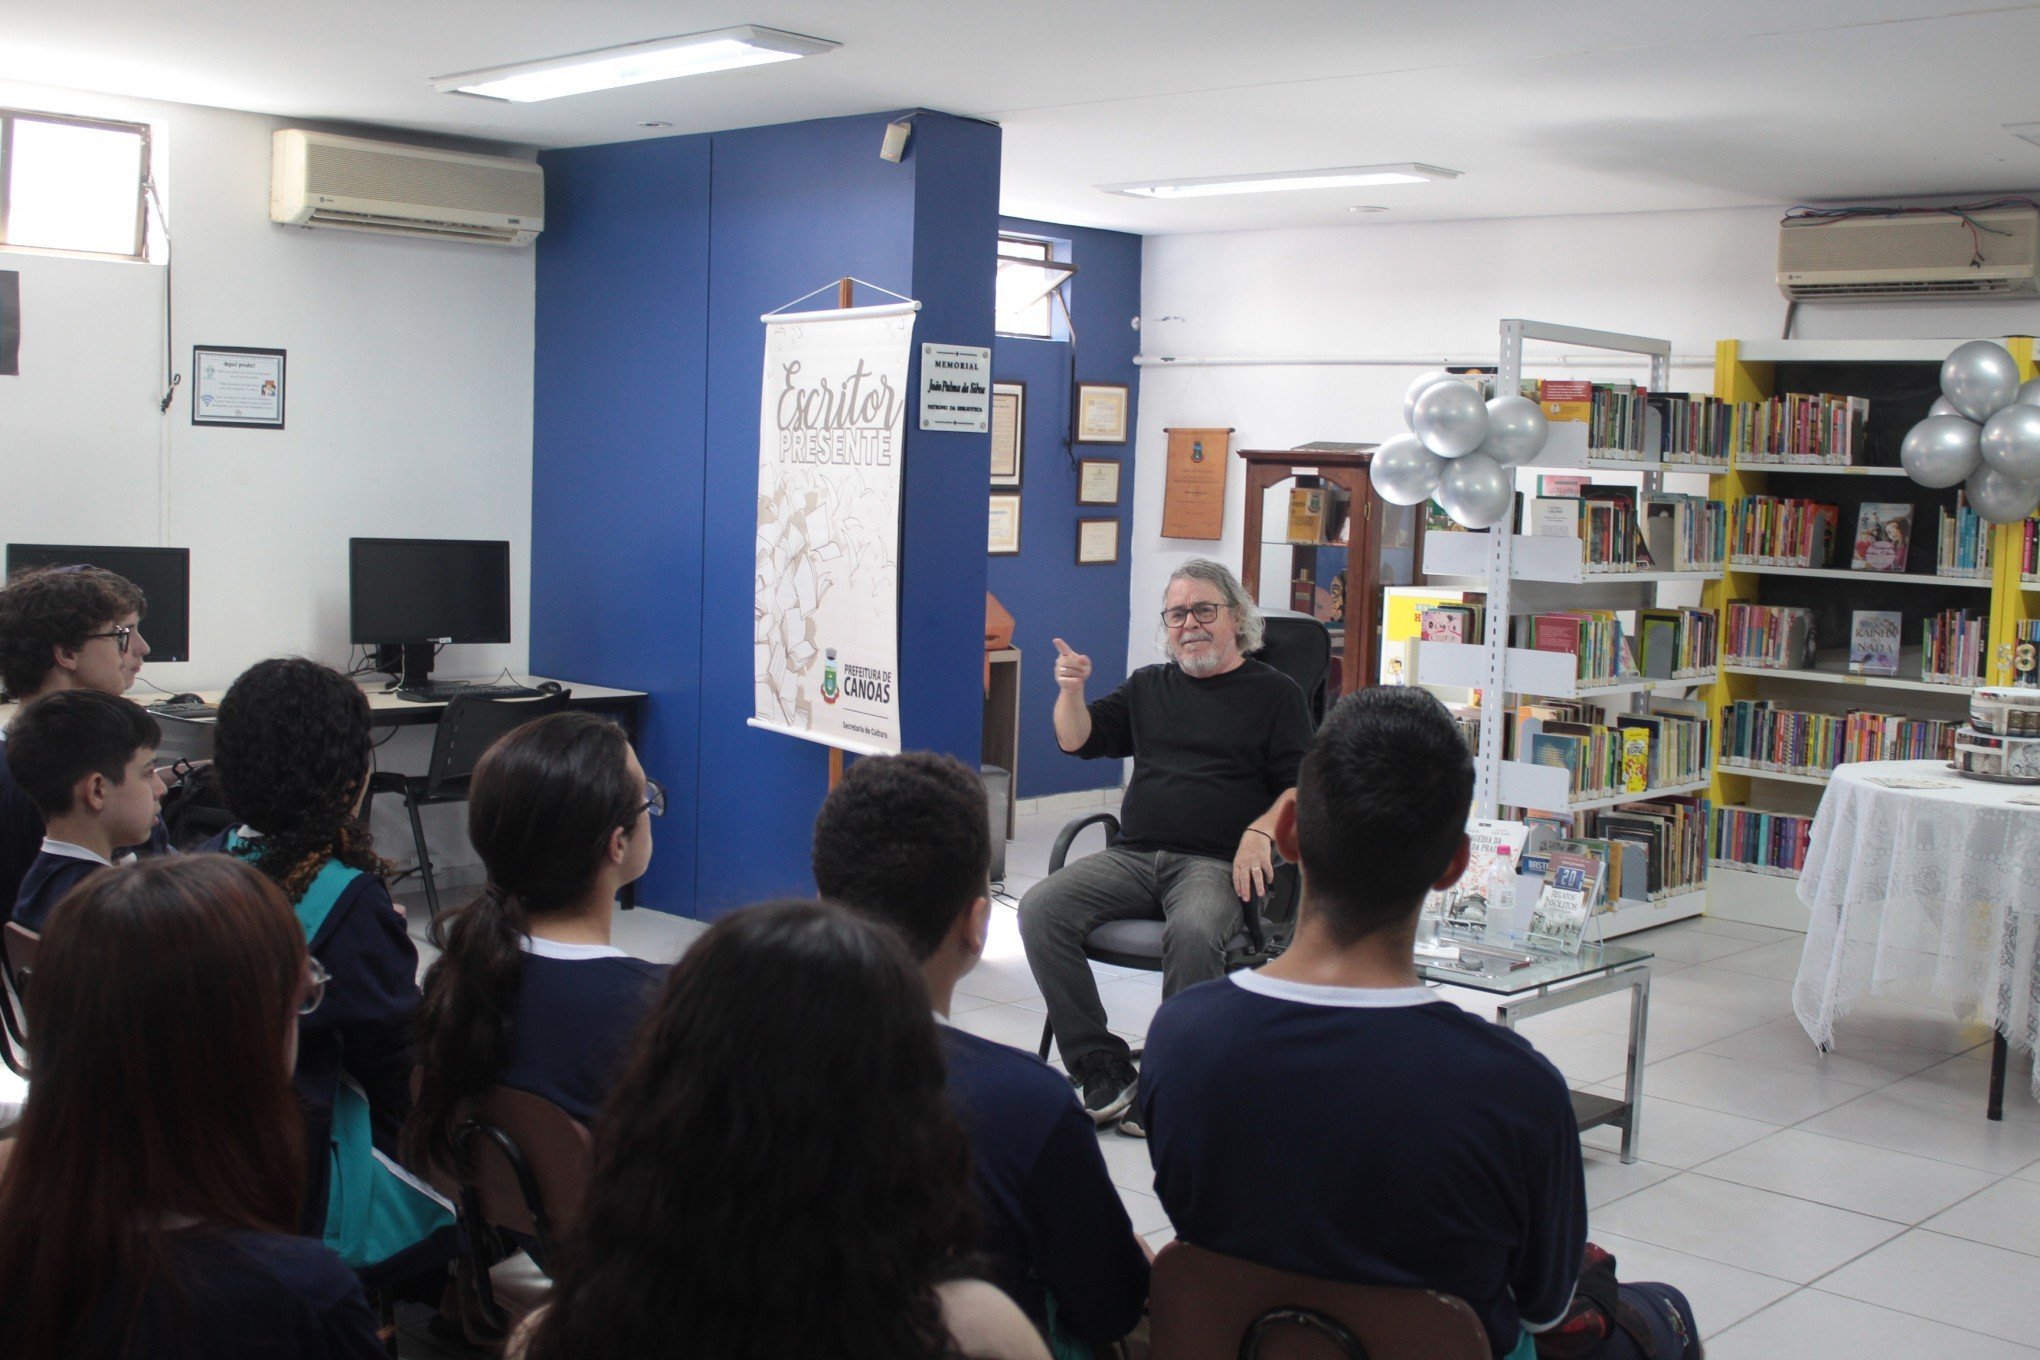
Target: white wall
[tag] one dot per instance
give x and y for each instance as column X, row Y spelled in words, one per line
column 1435, row 291
column 408, row 409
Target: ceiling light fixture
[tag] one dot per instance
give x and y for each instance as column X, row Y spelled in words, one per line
column 1367, row 207
column 1282, row 181
column 610, row 68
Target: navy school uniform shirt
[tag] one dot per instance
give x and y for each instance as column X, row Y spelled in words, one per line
column 1378, row 1136
column 56, row 869
column 1054, row 1224
column 21, row 838
column 577, row 1007
column 1209, row 755
column 236, row 1294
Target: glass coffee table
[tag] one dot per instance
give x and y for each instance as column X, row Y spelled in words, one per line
column 1553, row 983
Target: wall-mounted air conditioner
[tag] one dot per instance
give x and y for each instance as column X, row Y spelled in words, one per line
column 1994, row 253
column 320, row 180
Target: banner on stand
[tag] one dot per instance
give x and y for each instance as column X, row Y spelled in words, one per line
column 831, row 439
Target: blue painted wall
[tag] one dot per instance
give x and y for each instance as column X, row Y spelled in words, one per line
column 1048, row 594
column 665, row 476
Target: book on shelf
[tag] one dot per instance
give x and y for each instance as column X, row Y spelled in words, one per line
column 1668, row 833
column 1592, row 753
column 1674, row 644
column 1775, row 637
column 1761, row 734
column 1964, row 548
column 1688, row 427
column 1594, row 637
column 1316, row 515
column 1873, row 641
column 1761, row 842
column 1635, row 760
column 1800, row 429
column 1561, row 485
column 2025, row 662
column 1952, row 646
column 1568, row 895
column 1685, row 533
column 1566, row 402
column 1770, row 531
column 1487, row 890
column 1462, row 623
column 1552, row 517
column 1883, row 536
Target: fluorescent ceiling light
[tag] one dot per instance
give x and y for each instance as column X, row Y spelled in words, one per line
column 611, row 68
column 1281, row 181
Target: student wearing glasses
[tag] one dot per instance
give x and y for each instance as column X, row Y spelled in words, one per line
column 150, row 1192
column 529, row 992
column 1216, row 740
column 61, row 628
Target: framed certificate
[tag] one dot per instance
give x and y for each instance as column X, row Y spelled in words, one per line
column 1009, row 413
column 1097, row 541
column 1097, row 481
column 1101, row 413
column 235, row 386
column 1004, row 540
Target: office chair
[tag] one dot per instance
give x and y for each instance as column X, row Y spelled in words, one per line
column 471, row 725
column 1300, row 646
column 1137, row 943
column 1205, row 1306
column 18, row 945
column 526, row 1165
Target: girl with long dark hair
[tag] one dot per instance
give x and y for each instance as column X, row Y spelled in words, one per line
column 291, row 748
column 156, row 1172
column 529, row 992
column 778, row 1172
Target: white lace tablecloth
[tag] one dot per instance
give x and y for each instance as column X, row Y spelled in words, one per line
column 1934, row 890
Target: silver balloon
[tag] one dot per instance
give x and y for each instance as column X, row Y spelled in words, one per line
column 2010, row 442
column 1943, row 407
column 1941, row 451
column 1516, row 430
column 1980, row 378
column 1403, row 471
column 1998, row 498
column 1427, row 379
column 1450, row 418
column 1477, row 491
column 2029, row 393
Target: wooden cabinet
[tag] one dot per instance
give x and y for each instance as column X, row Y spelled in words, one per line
column 1379, row 542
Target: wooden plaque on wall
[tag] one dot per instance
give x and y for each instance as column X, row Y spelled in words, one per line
column 1193, row 494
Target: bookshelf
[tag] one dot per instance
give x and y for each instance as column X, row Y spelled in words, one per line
column 1527, row 574
column 1900, row 377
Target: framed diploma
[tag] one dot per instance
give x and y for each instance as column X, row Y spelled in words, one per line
column 1097, row 541
column 1009, row 414
column 1004, row 538
column 1101, row 413
column 234, row 386
column 1097, row 481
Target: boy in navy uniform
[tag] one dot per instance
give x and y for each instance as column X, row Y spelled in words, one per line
column 1328, row 1115
column 907, row 840
column 85, row 760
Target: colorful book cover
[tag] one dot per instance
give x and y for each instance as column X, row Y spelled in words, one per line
column 1487, row 890
column 1635, row 760
column 1873, row 641
column 1883, row 533
column 1571, row 883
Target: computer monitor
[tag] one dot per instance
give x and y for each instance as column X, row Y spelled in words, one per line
column 414, row 593
column 163, row 575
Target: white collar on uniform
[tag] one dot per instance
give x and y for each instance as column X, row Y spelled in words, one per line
column 1324, row 994
column 555, row 949
column 52, row 846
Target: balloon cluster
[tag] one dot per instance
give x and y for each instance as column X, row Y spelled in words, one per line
column 1459, row 450
column 1983, row 432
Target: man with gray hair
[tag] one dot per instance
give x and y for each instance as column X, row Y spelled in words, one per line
column 1216, row 740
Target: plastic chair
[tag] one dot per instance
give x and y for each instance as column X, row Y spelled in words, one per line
column 527, row 1163
column 471, row 725
column 1137, row 943
column 1205, row 1306
column 17, row 951
column 1300, row 646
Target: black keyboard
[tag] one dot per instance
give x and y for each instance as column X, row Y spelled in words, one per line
column 446, row 694
column 184, row 710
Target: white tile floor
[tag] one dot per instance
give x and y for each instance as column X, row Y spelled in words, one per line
column 1852, row 1205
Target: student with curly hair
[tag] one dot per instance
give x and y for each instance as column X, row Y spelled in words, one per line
column 291, row 747
column 529, row 992
column 778, row 1173
column 60, row 628
column 148, row 1204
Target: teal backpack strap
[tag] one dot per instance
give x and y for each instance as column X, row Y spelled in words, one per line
column 319, row 899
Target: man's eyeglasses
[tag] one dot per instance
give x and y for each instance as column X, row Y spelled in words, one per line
column 120, row 633
column 316, row 991
column 655, row 798
column 1204, row 612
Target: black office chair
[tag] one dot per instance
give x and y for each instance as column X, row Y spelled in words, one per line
column 1137, row 943
column 472, row 725
column 1300, row 646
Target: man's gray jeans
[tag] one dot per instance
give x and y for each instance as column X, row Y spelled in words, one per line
column 1192, row 893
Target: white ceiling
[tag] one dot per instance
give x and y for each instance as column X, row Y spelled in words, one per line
column 1588, row 106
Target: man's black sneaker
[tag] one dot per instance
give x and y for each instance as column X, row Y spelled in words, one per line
column 1108, row 1083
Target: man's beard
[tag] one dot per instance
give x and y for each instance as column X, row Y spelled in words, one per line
column 1206, row 663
